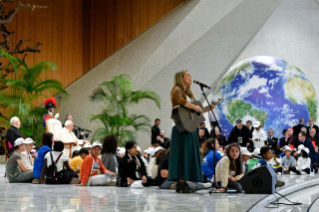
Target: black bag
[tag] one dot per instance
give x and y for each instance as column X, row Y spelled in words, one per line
column 52, row 176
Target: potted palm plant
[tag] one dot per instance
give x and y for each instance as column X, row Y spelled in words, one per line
column 20, row 98
column 117, row 95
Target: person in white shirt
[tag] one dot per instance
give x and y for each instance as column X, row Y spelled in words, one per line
column 68, row 137
column 27, row 155
column 64, row 176
column 259, row 135
column 304, row 161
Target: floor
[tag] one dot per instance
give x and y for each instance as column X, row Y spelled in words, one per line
column 68, row 198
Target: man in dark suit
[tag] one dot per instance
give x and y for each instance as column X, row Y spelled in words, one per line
column 312, row 125
column 298, row 127
column 281, row 142
column 271, row 141
column 250, row 127
column 155, row 131
column 302, row 137
column 13, row 133
column 314, row 139
column 242, row 132
column 291, row 140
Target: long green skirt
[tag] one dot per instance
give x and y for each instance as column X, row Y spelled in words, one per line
column 184, row 157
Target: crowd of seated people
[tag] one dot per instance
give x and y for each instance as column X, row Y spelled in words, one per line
column 106, row 164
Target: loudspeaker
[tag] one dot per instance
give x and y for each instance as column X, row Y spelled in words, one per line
column 261, row 180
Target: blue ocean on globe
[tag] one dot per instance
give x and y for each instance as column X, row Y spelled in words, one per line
column 266, row 89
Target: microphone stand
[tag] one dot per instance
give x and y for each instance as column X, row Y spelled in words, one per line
column 211, row 110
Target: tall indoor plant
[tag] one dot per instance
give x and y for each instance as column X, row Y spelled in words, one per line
column 20, row 98
column 117, row 94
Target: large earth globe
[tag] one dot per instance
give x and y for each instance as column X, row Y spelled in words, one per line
column 266, row 89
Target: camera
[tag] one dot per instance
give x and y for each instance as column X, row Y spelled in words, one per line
column 80, row 130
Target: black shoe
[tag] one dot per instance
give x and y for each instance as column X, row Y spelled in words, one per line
column 183, row 187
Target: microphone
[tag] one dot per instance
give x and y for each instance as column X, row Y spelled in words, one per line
column 201, row 84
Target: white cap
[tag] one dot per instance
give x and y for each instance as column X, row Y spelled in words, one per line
column 256, row 124
column 157, row 148
column 287, row 148
column 244, row 151
column 256, row 152
column 139, row 149
column 150, row 151
column 96, row 143
column 28, row 141
column 87, row 145
column 300, row 147
column 303, row 148
column 18, row 141
column 121, row 150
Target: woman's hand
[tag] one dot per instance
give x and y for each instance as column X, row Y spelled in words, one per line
column 212, row 105
column 113, row 174
column 198, row 109
column 79, row 184
column 220, row 189
column 144, row 179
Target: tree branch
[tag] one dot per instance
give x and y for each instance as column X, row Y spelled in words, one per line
column 27, row 49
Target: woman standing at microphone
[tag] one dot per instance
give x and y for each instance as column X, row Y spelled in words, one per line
column 185, row 160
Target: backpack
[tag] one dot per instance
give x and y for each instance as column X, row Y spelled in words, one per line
column 52, row 175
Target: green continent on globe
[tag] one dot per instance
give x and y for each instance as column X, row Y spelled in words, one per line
column 231, row 74
column 299, row 90
column 238, row 109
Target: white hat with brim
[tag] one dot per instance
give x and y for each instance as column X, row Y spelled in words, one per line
column 304, row 149
column 256, row 152
column 96, row 143
column 28, row 141
column 287, row 148
column 300, row 147
column 257, row 124
column 150, row 151
column 244, row 151
column 18, row 141
column 121, row 150
column 139, row 149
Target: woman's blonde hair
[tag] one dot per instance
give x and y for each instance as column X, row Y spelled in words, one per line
column 178, row 81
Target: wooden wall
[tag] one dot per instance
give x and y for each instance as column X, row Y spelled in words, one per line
column 108, row 25
column 79, row 34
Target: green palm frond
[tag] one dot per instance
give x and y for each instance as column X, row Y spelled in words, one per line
column 28, row 85
column 117, row 95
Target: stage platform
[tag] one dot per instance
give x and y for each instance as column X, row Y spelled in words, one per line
column 68, row 198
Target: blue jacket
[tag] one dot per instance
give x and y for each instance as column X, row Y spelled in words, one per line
column 262, row 162
column 312, row 152
column 39, row 160
column 208, row 163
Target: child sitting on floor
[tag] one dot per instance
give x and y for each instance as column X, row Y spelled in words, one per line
column 132, row 168
column 47, row 140
column 90, row 166
column 288, row 161
column 229, row 169
column 64, row 175
column 303, row 164
column 76, row 162
column 275, row 161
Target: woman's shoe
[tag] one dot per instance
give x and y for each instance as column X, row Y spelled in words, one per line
column 183, row 187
